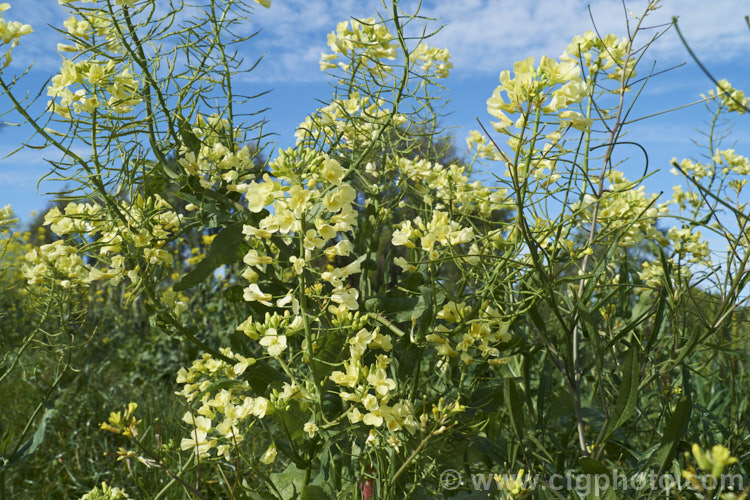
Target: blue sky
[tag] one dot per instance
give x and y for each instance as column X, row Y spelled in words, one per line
column 484, row 37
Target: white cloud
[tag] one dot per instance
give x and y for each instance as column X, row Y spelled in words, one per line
column 484, row 36
column 487, row 36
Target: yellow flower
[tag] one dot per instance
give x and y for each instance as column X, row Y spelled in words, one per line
column 269, row 456
column 348, row 379
column 253, row 293
column 310, row 428
column 347, row 298
column 273, row 342
column 338, row 198
column 714, row 461
column 576, row 120
column 380, row 381
column 198, row 439
column 332, row 171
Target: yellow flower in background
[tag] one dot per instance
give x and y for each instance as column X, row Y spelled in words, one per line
column 310, row 428
column 713, row 461
column 273, row 342
column 269, row 455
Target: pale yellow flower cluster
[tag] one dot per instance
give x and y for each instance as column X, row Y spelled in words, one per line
column 551, row 87
column 273, row 331
column 483, row 148
column 432, row 60
column 312, row 203
column 367, row 388
column 450, row 187
column 146, row 226
column 214, row 163
column 89, row 85
column 733, row 99
column 14, row 245
column 10, row 33
column 652, row 273
column 689, row 245
column 345, row 123
column 123, row 422
column 710, row 462
column 689, row 248
column 104, row 491
column 623, row 207
column 7, row 218
column 513, row 486
column 217, row 421
column 602, row 54
column 454, row 202
column 731, row 162
column 103, row 87
column 470, row 340
column 95, row 29
column 681, row 198
column 363, row 42
column 440, row 231
column 56, row 261
column 695, row 169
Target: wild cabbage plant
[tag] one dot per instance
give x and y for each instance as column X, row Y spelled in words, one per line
column 393, row 317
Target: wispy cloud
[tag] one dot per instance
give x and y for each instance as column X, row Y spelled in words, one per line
column 484, row 36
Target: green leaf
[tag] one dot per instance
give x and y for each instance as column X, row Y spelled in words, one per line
column 487, row 397
column 676, row 427
column 600, row 480
column 32, row 444
column 545, row 389
column 593, row 280
column 658, row 320
column 290, row 482
column 536, row 318
column 401, row 307
column 427, row 311
column 513, row 402
column 189, row 139
column 234, row 293
column 494, row 452
column 667, row 268
column 314, row 492
column 224, row 250
column 627, row 399
column 260, row 375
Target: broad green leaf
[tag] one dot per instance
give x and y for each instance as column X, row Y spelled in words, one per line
column 658, row 320
column 234, row 293
column 290, row 482
column 542, row 397
column 599, row 480
column 674, row 430
column 223, row 250
column 627, row 399
column 487, row 397
column 667, row 268
column 513, row 402
column 314, row 492
column 260, row 375
column 402, row 307
column 32, row 444
column 189, row 139
column 536, row 318
column 494, row 452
